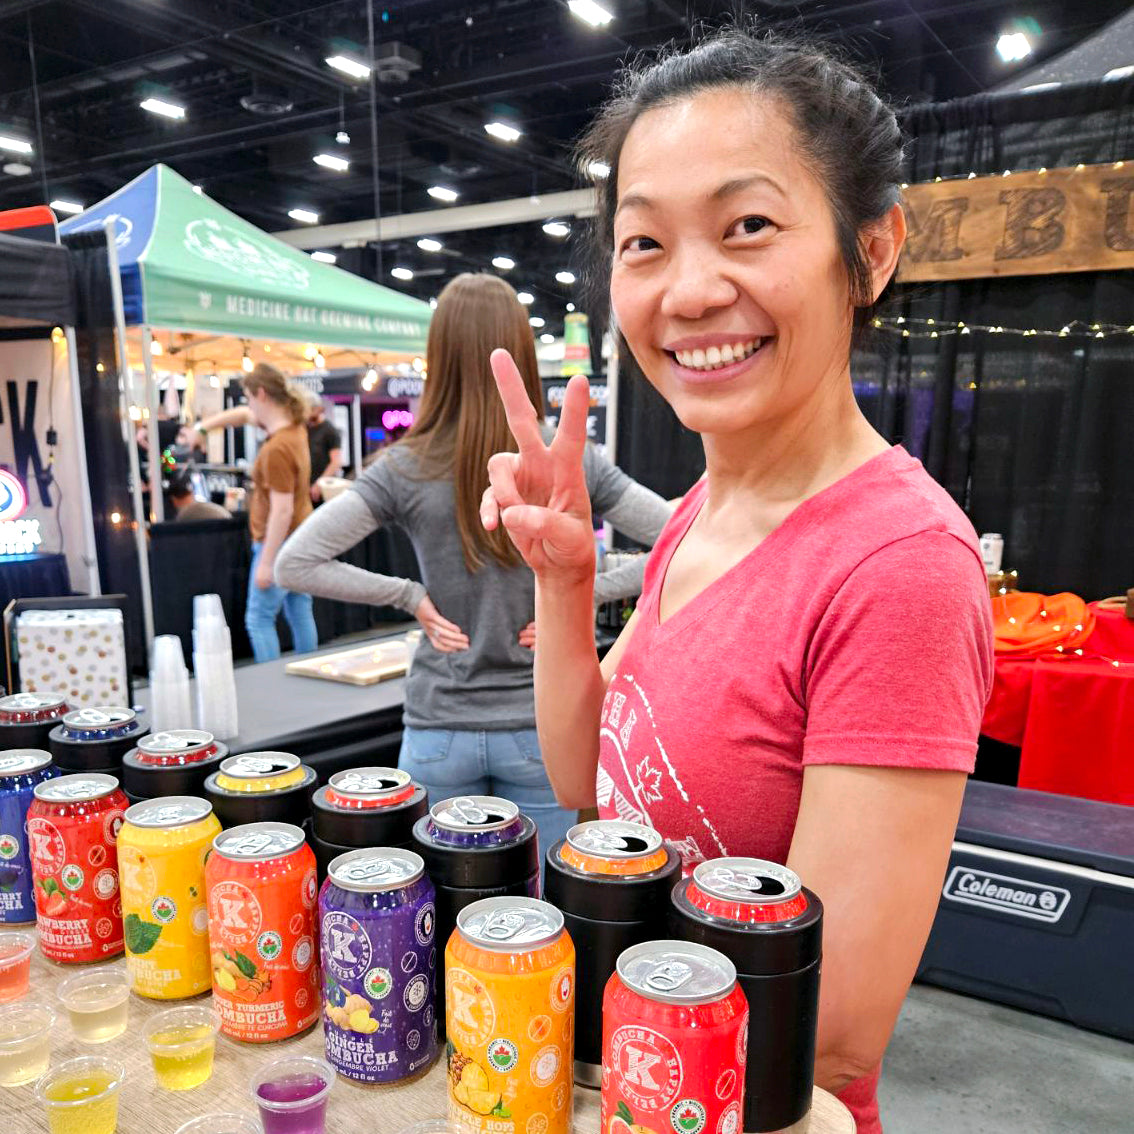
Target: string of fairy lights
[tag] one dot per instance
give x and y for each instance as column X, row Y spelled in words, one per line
column 911, row 328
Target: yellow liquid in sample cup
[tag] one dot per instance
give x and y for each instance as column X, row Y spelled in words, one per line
column 99, row 1116
column 22, row 1062
column 98, row 1012
column 183, row 1057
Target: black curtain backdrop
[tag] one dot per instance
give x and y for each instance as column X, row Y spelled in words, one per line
column 36, row 282
column 108, row 459
column 1031, row 436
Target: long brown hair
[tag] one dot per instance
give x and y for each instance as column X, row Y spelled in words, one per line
column 278, row 388
column 461, row 421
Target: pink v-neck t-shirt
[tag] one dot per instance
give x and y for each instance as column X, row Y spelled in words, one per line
column 858, row 632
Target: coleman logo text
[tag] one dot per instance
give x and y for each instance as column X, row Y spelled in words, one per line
column 1016, row 896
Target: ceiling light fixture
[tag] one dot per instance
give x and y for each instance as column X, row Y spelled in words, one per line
column 428, row 244
column 504, row 263
column 401, row 273
column 503, row 131
column 343, row 138
column 526, row 298
column 599, row 169
column 14, row 145
column 348, row 66
column 547, row 339
column 590, row 12
column 324, row 257
column 165, row 109
column 442, row 193
column 433, row 303
column 1119, row 73
column 565, row 277
column 570, row 307
column 66, row 206
column 332, row 161
column 557, row 228
column 537, row 322
column 156, row 349
column 306, row 216
column 319, row 362
column 198, row 189
column 1013, row 46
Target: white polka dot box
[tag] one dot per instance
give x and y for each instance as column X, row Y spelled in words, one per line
column 81, row 653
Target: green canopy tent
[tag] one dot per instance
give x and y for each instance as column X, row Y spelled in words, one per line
column 187, row 264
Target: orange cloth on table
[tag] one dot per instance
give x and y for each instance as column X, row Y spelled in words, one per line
column 1028, row 625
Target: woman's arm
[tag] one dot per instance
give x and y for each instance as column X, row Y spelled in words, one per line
column 874, row 844
column 281, row 508
column 238, row 415
column 308, row 563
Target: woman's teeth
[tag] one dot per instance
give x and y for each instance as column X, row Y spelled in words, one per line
column 715, row 357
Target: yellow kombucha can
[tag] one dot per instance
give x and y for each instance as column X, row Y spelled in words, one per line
column 162, row 848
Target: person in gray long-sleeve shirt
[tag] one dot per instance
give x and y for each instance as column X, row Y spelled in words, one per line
column 470, row 708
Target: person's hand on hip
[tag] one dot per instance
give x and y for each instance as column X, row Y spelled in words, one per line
column 445, row 636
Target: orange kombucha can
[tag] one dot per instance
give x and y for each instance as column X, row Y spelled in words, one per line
column 510, row 1003
column 260, row 883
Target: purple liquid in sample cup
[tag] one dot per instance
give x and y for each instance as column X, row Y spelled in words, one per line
column 289, row 1089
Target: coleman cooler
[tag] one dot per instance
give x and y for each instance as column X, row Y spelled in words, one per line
column 1037, row 910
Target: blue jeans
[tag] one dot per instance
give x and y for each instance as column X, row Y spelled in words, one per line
column 496, row 762
column 263, row 609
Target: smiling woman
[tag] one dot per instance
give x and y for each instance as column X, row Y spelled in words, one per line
column 783, row 690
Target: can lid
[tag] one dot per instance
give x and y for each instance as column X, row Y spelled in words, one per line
column 677, row 972
column 169, row 811
column 31, row 702
column 510, row 925
column 21, row 761
column 175, row 740
column 374, row 869
column 259, row 771
column 369, row 787
column 73, row 789
column 614, row 838
column 747, row 880
column 253, row 841
column 99, row 717
column 474, row 812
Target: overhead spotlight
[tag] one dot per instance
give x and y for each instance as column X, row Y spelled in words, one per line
column 324, row 257
column 401, row 273
column 537, row 322
column 306, row 216
column 442, row 193
column 526, row 298
column 1119, row 73
column 348, row 66
column 162, row 107
column 565, row 277
column 156, row 348
column 433, row 303
column 503, row 131
column 319, row 361
column 343, row 138
column 547, row 339
column 246, row 362
column 428, row 244
column 557, row 228
column 370, row 380
column 70, row 207
column 1013, row 46
column 198, row 189
column 332, row 161
column 590, row 12
column 599, row 169
column 14, row 145
column 504, row 263
column 570, row 307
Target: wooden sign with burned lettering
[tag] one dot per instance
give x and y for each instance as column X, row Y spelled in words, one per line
column 1021, row 224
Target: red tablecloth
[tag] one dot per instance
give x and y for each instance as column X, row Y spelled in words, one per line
column 1073, row 717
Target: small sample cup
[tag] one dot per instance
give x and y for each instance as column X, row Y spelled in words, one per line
column 25, row 1043
column 81, row 1095
column 182, row 1043
column 292, row 1094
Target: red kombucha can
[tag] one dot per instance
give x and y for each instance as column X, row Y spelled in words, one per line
column 260, row 882
column 73, row 825
column 675, row 1030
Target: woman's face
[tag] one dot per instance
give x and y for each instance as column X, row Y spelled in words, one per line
column 727, row 280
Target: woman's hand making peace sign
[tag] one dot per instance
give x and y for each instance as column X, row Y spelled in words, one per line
column 540, row 493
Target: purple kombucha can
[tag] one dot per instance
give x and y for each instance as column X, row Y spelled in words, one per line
column 378, row 920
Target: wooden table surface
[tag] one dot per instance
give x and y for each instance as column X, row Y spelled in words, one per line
column 145, row 1108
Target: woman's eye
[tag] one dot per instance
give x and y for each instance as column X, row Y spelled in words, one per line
column 640, row 244
column 749, row 226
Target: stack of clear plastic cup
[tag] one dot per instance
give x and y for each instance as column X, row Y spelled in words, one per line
column 212, row 663
column 170, row 703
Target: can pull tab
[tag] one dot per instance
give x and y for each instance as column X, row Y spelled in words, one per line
column 669, row 976
column 473, row 815
column 374, row 870
column 92, row 716
column 504, row 925
column 752, row 882
column 166, row 740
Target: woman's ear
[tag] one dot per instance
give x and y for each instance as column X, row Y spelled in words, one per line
column 882, row 243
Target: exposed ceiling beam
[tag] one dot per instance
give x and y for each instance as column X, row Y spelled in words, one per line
column 519, row 210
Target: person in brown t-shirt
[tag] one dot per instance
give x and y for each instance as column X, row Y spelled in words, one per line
column 280, row 502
